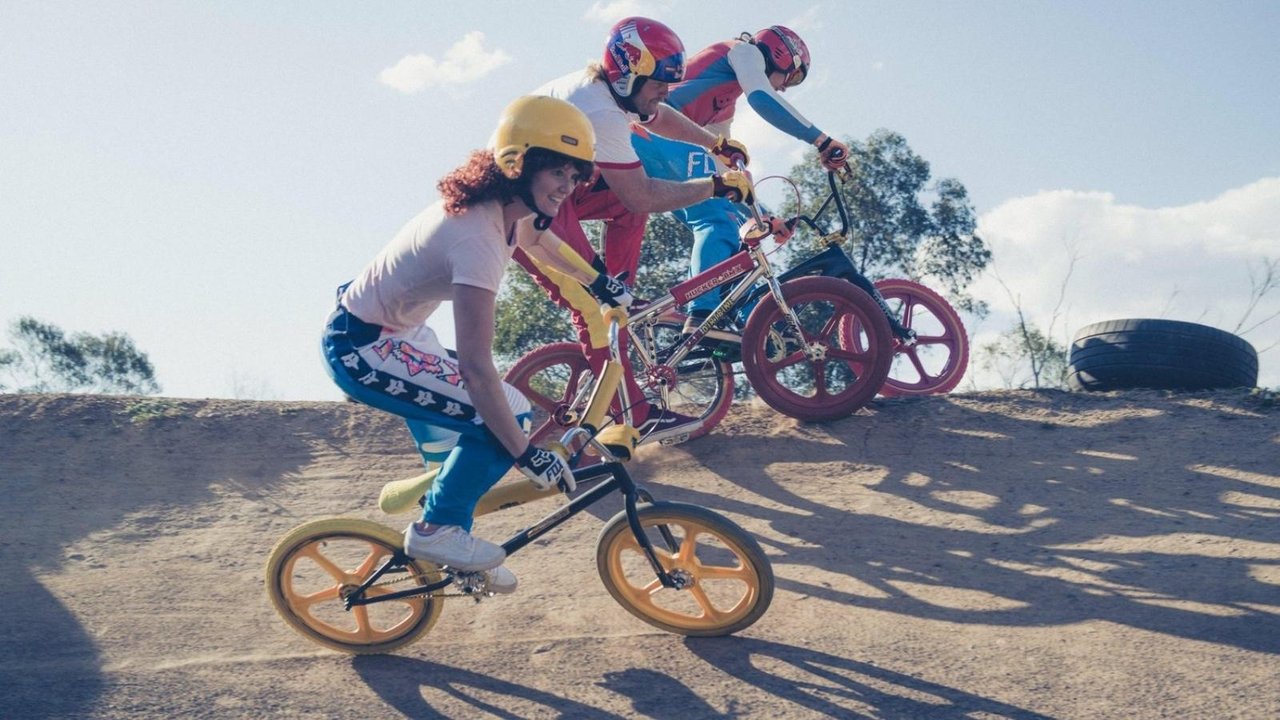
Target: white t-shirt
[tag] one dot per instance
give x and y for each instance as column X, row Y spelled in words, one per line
column 417, row 270
column 611, row 123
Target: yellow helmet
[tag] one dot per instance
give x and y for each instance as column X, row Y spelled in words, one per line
column 539, row 121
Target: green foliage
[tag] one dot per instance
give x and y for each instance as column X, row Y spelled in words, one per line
column 893, row 232
column 664, row 257
column 144, row 411
column 45, row 359
column 1024, row 357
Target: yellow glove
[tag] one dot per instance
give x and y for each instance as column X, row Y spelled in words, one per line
column 734, row 186
column 730, row 152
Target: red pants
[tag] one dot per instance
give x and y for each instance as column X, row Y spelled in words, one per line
column 624, row 231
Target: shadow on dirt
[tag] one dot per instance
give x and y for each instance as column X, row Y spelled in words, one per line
column 798, row 678
column 72, row 462
column 407, row 683
column 1017, row 520
column 839, row 687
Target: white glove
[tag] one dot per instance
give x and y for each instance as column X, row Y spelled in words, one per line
column 545, row 469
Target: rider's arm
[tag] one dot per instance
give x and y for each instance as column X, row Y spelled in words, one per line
column 643, row 194
column 548, row 250
column 748, row 66
column 672, row 123
column 473, row 309
column 622, row 170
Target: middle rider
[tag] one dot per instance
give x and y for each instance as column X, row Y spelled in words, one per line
column 759, row 67
column 642, row 57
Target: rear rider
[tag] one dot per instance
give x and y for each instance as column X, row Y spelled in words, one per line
column 760, row 68
column 381, row 349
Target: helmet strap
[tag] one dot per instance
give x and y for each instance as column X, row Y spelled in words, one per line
column 543, row 220
column 628, row 102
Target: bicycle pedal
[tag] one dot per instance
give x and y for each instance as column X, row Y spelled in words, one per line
column 471, row 583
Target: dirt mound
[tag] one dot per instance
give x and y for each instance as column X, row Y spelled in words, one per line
column 1004, row 554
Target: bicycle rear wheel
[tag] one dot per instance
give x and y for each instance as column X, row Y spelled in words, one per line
column 703, row 385
column 936, row 363
column 836, row 365
column 312, row 569
column 730, row 578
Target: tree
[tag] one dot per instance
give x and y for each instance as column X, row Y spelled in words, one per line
column 45, row 359
column 893, row 232
column 1024, row 345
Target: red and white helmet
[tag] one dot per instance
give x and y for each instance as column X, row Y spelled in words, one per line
column 785, row 52
column 638, row 47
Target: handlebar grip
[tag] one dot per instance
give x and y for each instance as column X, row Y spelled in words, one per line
column 614, row 314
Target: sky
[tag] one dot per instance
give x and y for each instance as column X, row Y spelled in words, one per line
column 201, row 176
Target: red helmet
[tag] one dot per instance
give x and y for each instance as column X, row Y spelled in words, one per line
column 785, row 52
column 642, row 48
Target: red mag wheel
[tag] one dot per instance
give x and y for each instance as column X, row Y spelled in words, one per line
column 936, row 363
column 835, row 365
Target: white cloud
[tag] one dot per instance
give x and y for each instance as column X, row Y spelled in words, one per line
column 1187, row 263
column 808, row 22
column 608, row 13
column 465, row 62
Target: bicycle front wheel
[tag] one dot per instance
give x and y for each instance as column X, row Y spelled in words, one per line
column 316, row 565
column 557, row 380
column 834, row 365
column 730, row 580
column 937, row 361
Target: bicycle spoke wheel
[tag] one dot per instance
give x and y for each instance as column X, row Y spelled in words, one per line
column 316, row 564
column 702, row 387
column 557, row 379
column 936, row 363
column 836, row 363
column 730, row 581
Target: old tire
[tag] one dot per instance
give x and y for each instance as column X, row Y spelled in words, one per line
column 1159, row 354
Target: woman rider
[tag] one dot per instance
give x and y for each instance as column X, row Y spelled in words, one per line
column 381, row 350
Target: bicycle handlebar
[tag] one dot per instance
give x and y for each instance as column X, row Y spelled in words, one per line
column 845, row 173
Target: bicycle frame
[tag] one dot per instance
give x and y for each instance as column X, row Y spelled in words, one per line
column 611, row 471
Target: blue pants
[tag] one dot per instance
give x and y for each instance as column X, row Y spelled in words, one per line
column 410, row 375
column 714, row 222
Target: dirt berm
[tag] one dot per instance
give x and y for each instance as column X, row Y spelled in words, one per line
column 990, row 555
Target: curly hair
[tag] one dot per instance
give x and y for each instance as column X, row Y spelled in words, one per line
column 479, row 179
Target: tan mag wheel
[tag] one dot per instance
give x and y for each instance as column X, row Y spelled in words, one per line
column 731, row 579
column 317, row 564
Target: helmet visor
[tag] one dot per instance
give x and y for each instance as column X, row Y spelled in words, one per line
column 797, row 76
column 669, row 69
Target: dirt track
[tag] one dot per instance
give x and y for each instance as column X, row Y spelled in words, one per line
column 989, row 555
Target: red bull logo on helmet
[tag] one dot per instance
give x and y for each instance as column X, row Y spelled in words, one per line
column 630, row 53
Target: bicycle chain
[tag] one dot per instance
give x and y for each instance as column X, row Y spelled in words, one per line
column 427, row 595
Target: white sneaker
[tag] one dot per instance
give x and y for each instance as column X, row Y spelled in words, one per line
column 500, row 580
column 451, row 545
